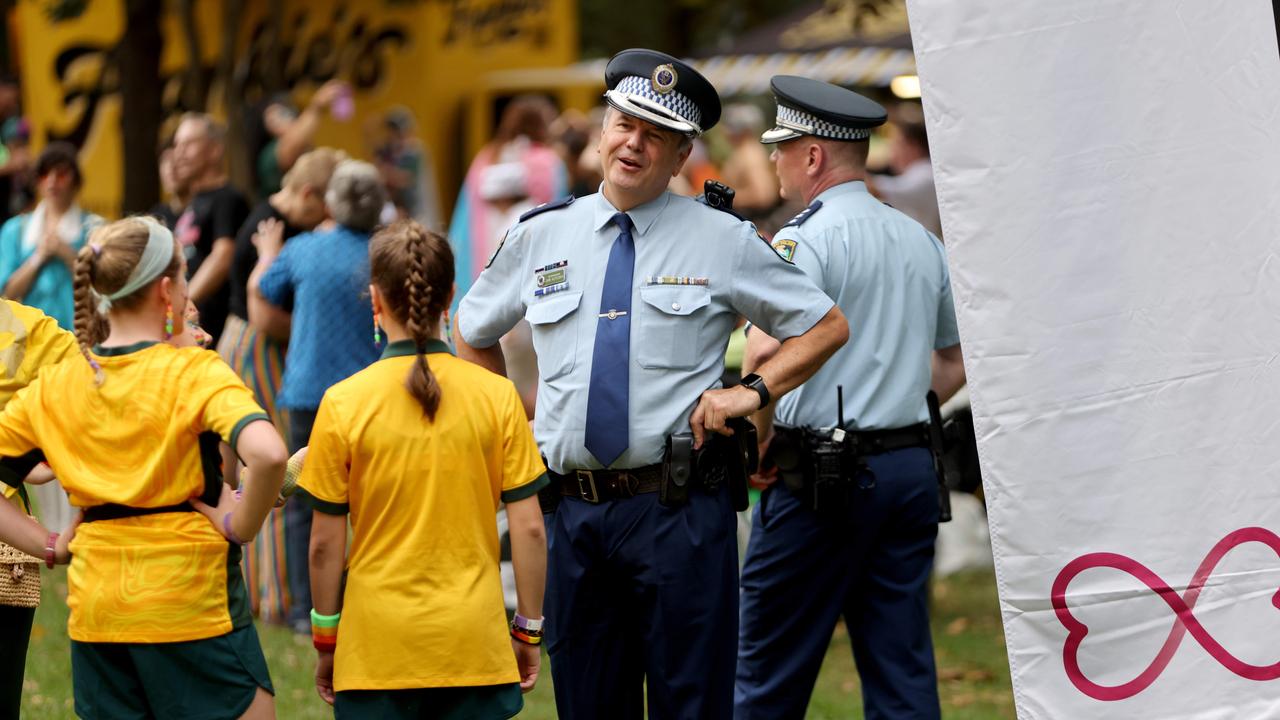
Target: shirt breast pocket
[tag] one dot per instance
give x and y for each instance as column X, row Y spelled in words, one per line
column 672, row 318
column 555, row 335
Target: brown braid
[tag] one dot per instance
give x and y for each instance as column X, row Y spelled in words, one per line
column 413, row 270
column 104, row 265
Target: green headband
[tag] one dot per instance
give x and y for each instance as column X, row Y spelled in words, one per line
column 155, row 260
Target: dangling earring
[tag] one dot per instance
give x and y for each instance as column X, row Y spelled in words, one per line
column 377, row 328
column 168, row 321
column 448, row 328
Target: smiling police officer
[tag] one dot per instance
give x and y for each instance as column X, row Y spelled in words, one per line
column 632, row 294
column 849, row 527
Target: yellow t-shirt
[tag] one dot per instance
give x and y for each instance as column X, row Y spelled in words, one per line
column 136, row 440
column 29, row 341
column 423, row 600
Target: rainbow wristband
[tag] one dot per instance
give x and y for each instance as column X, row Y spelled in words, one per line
column 528, row 637
column 324, row 631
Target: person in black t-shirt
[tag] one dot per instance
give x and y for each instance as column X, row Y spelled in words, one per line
column 208, row 227
column 258, row 357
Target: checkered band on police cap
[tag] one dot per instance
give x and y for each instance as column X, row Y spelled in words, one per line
column 672, row 101
column 803, row 122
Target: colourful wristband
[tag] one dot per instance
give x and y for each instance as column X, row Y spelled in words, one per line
column 324, row 621
column 324, row 631
column 525, row 623
column 324, row 639
column 51, row 550
column 525, row 636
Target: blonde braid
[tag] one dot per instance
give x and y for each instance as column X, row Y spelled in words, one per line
column 89, row 323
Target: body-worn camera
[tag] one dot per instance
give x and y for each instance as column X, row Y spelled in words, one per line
column 718, row 195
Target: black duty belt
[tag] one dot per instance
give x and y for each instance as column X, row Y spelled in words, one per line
column 596, row 486
column 874, row 442
column 867, row 442
column 112, row 511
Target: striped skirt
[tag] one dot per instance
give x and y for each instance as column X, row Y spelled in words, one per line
column 259, row 361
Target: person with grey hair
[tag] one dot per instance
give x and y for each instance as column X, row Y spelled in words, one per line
column 207, row 228
column 315, row 289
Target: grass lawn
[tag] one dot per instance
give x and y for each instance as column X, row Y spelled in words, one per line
column 973, row 673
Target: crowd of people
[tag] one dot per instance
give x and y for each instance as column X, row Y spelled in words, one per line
column 335, row 303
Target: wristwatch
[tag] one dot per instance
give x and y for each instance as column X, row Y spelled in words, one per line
column 755, row 382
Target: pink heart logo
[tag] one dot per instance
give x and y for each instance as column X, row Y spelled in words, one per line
column 1184, row 616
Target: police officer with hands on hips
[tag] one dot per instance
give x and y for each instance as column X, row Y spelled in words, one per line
column 632, row 294
column 848, row 525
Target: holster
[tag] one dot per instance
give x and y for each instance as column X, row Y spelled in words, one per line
column 826, row 468
column 937, row 447
column 721, row 461
column 677, row 470
column 549, row 496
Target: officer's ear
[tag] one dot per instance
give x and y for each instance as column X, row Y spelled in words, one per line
column 815, row 158
column 683, row 150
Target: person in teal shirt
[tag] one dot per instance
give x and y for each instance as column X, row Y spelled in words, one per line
column 38, row 249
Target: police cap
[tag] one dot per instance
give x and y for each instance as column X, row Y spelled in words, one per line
column 656, row 87
column 813, row 107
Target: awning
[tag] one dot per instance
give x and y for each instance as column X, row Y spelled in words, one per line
column 749, row 74
column 853, row 43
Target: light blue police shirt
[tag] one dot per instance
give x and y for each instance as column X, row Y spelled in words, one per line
column 696, row 270
column 889, row 276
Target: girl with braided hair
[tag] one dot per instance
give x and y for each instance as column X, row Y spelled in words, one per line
column 419, row 449
column 159, row 620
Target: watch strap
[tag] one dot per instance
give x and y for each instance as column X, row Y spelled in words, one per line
column 755, row 382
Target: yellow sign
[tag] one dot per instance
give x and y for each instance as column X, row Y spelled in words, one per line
column 425, row 55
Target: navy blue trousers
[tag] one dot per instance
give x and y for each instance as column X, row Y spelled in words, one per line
column 639, row 592
column 871, row 565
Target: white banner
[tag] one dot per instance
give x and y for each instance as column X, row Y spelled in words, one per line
column 1109, row 178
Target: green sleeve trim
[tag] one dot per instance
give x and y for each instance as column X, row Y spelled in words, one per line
column 527, row 490
column 324, row 506
column 244, row 422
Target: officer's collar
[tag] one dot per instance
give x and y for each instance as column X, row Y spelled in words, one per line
column 642, row 216
column 842, row 189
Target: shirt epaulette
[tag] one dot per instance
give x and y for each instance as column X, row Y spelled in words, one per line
column 805, row 214
column 565, row 201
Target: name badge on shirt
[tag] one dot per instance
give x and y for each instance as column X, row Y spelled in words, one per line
column 554, row 274
column 675, row 280
column 551, row 278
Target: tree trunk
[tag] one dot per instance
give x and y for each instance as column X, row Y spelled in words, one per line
column 139, row 64
column 195, row 93
column 233, row 102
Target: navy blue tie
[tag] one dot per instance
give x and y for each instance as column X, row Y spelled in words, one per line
column 608, row 395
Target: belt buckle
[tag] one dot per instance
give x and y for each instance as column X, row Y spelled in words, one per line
column 587, row 481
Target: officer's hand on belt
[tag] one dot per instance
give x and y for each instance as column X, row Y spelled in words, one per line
column 717, row 406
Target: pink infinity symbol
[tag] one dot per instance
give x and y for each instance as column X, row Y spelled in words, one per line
column 1182, row 606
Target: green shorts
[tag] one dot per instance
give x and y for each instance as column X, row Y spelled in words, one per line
column 208, row 679
column 485, row 702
